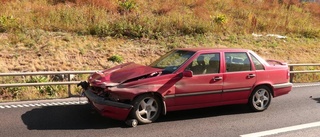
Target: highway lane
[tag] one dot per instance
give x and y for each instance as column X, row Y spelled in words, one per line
column 301, row 106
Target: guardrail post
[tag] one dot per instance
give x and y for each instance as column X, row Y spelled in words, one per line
column 69, row 86
column 291, row 74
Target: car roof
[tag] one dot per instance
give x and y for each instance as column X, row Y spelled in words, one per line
column 214, row 49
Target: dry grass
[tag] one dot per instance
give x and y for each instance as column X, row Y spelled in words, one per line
column 62, row 51
column 161, row 18
column 57, row 51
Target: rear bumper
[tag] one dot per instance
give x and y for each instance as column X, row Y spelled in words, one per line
column 281, row 89
column 107, row 108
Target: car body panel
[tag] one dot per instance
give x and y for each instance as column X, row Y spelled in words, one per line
column 237, row 85
column 121, row 74
column 198, row 89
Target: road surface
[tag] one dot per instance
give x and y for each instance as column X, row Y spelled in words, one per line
column 295, row 114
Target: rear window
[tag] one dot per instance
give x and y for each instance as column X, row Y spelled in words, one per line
column 257, row 64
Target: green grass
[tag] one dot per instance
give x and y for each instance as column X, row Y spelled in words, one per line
column 62, row 35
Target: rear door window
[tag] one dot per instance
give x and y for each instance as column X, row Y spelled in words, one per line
column 237, row 61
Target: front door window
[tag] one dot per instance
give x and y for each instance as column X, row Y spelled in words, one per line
column 205, row 64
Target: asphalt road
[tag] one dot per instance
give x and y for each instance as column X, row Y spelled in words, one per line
column 301, row 106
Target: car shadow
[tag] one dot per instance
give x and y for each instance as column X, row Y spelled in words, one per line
column 316, row 99
column 205, row 112
column 77, row 117
column 67, row 117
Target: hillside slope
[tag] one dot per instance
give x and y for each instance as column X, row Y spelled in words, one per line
column 51, row 35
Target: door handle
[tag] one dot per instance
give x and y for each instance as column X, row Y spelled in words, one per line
column 217, row 78
column 251, row 75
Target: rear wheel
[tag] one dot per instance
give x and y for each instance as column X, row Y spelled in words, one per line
column 260, row 98
column 147, row 108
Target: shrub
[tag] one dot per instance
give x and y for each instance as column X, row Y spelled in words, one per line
column 115, row 58
column 47, row 90
column 219, row 19
column 127, row 29
column 7, row 22
column 101, row 30
column 310, row 33
column 126, row 6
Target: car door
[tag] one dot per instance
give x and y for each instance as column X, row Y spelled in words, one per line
column 205, row 85
column 238, row 77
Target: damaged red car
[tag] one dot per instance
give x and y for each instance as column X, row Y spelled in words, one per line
column 186, row 79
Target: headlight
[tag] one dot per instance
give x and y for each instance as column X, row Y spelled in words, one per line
column 107, row 85
column 102, row 85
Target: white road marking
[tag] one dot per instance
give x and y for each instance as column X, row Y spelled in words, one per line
column 48, row 104
column 66, row 103
column 298, row 85
column 43, row 104
column 282, row 130
column 60, row 103
column 54, row 104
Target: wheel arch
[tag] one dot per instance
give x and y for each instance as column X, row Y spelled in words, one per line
column 269, row 86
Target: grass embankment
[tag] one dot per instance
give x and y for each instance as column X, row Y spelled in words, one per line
column 62, row 35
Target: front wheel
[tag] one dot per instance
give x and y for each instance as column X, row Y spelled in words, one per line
column 260, row 98
column 146, row 109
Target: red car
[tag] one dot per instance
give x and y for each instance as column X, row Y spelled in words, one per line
column 186, row 79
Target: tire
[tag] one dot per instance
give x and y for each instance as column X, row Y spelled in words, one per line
column 260, row 98
column 147, row 108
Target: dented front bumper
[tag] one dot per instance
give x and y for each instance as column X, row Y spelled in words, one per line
column 108, row 108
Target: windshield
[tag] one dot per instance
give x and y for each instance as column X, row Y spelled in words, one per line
column 172, row 60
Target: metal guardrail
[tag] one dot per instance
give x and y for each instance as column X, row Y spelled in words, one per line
column 69, row 82
column 292, row 72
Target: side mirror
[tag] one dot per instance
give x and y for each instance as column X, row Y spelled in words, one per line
column 187, row 73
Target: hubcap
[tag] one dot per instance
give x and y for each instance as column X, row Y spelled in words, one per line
column 148, row 108
column 261, row 99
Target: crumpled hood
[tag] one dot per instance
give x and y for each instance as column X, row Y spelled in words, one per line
column 120, row 74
